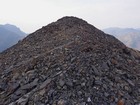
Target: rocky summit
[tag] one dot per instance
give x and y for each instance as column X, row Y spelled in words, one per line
column 69, row 62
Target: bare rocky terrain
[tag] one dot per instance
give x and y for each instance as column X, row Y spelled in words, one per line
column 69, row 62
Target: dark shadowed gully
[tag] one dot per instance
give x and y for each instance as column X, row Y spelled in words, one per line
column 69, row 62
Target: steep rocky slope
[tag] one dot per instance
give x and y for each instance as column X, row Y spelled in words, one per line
column 69, row 62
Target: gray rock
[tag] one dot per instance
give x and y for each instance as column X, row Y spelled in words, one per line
column 13, row 87
column 83, row 103
column 106, row 94
column 30, row 85
column 3, row 86
column 45, row 83
column 20, row 92
column 88, row 99
column 95, row 70
column 130, row 82
column 61, row 102
column 61, row 82
column 105, row 66
column 69, row 83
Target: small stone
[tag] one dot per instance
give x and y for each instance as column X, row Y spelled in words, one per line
column 105, row 66
column 88, row 99
column 50, row 93
column 61, row 82
column 13, row 87
column 104, row 86
column 130, row 82
column 79, row 93
column 36, row 98
column 69, row 83
column 83, row 84
column 120, row 71
column 14, row 97
column 139, row 90
column 30, row 85
column 2, row 86
column 61, row 102
column 45, row 83
column 58, row 69
column 42, row 92
column 22, row 101
column 120, row 102
column 109, row 63
column 126, row 88
column 16, row 75
column 83, row 103
column 13, row 103
column 106, row 94
column 73, row 59
column 111, row 84
column 113, row 61
column 95, row 70
column 98, row 82
column 112, row 103
column 20, row 92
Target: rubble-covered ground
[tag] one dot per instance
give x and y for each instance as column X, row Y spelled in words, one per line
column 69, row 62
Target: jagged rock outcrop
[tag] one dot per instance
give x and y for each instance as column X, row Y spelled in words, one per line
column 69, row 62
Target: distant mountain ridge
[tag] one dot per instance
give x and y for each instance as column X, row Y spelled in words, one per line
column 9, row 35
column 129, row 36
column 14, row 29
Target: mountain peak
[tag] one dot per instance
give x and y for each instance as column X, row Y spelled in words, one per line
column 9, row 35
column 69, row 62
column 68, row 22
column 14, row 29
column 71, row 19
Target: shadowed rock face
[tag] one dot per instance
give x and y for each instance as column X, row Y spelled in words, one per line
column 69, row 62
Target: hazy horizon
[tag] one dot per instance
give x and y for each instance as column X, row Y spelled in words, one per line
column 32, row 15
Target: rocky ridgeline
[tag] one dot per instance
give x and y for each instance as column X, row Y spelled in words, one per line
column 69, row 62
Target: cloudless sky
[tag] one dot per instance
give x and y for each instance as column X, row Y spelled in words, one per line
column 31, row 15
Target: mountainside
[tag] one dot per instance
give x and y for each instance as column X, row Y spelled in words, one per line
column 69, row 62
column 9, row 35
column 14, row 29
column 129, row 36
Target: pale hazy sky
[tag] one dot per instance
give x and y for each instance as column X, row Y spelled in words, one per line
column 31, row 15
